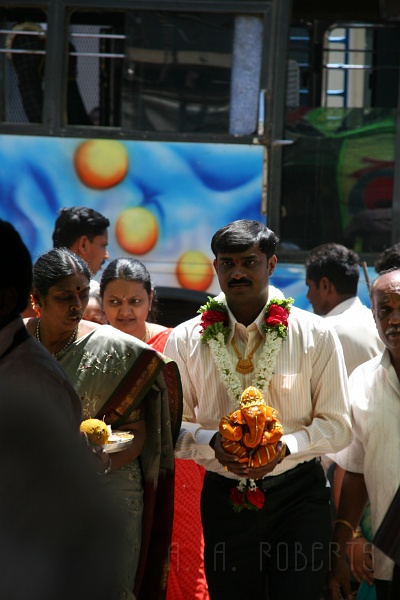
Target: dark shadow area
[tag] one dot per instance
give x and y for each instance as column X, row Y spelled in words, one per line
column 176, row 305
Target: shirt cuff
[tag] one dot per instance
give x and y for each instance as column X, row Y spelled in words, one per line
column 201, row 438
column 291, row 442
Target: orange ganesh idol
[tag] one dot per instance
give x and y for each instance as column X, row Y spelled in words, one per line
column 253, row 431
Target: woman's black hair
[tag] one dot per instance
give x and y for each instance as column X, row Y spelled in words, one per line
column 130, row 269
column 54, row 265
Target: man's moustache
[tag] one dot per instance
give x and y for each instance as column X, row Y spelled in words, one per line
column 393, row 329
column 233, row 282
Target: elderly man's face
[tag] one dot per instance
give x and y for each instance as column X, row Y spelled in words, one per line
column 385, row 301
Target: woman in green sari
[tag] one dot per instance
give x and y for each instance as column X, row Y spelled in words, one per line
column 133, row 388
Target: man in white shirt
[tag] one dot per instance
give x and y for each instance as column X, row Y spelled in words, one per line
column 279, row 547
column 85, row 232
column 332, row 276
column 372, row 461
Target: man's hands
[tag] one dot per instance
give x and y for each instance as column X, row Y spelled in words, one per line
column 359, row 553
column 231, row 463
column 339, row 579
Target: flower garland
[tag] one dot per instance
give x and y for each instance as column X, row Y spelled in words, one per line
column 215, row 332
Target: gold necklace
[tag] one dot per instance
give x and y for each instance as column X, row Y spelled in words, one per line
column 245, row 365
column 71, row 340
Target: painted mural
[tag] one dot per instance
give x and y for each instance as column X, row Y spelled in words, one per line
column 164, row 200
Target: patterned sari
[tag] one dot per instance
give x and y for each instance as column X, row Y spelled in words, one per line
column 115, row 374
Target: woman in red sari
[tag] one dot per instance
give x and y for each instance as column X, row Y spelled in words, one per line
column 129, row 303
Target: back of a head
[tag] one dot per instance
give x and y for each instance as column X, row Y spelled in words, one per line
column 76, row 221
column 54, row 265
column 338, row 264
column 241, row 235
column 389, row 259
column 15, row 266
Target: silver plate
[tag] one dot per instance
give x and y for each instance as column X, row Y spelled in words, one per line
column 118, row 440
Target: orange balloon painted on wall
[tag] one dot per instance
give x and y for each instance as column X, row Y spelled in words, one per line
column 101, row 164
column 194, row 270
column 137, row 230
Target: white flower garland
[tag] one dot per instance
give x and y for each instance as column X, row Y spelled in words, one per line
column 265, row 368
column 262, row 375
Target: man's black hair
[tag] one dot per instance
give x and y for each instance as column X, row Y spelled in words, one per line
column 15, row 265
column 76, row 221
column 241, row 235
column 337, row 263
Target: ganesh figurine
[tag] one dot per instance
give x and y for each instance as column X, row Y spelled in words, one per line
column 253, row 431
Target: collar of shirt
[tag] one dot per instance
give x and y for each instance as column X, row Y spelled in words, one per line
column 391, row 373
column 242, row 330
column 345, row 305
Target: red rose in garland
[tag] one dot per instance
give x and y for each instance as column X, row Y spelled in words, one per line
column 255, row 497
column 277, row 315
column 210, row 317
column 214, row 320
column 236, row 496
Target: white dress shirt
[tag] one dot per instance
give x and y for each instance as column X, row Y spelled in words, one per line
column 375, row 449
column 355, row 326
column 308, row 388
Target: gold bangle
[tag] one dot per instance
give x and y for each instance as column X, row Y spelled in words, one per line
column 347, row 525
column 358, row 533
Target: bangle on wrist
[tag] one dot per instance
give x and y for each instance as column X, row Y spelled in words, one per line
column 108, row 467
column 358, row 533
column 349, row 525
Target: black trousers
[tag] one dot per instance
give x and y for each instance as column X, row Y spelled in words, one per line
column 280, row 552
column 389, row 590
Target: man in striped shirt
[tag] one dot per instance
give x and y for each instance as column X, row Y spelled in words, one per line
column 277, row 545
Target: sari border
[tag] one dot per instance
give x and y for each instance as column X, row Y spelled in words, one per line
column 133, row 387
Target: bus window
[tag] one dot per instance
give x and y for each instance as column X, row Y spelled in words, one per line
column 360, row 71
column 96, row 57
column 166, row 71
column 23, row 53
column 300, row 54
column 337, row 180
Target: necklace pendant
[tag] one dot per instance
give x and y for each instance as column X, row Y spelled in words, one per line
column 244, row 366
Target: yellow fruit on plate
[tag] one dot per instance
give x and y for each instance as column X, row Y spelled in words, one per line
column 96, row 430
